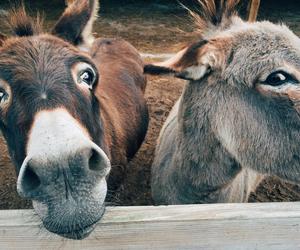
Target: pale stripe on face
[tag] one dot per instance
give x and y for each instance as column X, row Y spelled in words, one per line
column 55, row 134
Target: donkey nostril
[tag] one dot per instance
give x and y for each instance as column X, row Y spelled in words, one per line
column 30, row 181
column 95, row 161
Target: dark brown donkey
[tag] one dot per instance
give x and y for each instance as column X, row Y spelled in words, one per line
column 70, row 107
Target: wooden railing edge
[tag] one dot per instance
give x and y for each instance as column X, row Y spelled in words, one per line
column 213, row 226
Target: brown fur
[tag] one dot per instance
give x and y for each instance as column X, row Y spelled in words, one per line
column 123, row 108
column 115, row 95
column 74, row 21
column 120, row 65
column 73, row 107
column 68, row 2
column 5, row 160
column 2, row 38
column 23, row 25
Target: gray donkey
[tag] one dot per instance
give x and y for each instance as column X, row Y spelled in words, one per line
column 237, row 120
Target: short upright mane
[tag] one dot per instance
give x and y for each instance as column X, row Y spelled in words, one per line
column 20, row 24
column 214, row 14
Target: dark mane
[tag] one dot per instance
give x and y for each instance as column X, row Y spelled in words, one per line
column 20, row 24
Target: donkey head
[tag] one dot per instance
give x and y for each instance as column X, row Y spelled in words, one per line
column 244, row 82
column 50, row 118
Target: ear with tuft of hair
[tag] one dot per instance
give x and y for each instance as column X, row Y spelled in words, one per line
column 192, row 73
column 191, row 63
column 2, row 39
column 153, row 69
column 76, row 23
column 214, row 14
column 195, row 61
column 23, row 25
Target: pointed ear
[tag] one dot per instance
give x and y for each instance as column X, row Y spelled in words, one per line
column 2, row 39
column 76, row 23
column 191, row 63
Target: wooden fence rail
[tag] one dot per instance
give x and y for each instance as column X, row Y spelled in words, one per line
column 217, row 226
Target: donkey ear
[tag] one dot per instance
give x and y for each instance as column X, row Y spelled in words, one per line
column 2, row 39
column 191, row 63
column 69, row 2
column 76, row 23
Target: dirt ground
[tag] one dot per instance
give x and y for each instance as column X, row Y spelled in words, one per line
column 153, row 28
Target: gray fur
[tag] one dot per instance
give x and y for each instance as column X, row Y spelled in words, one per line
column 224, row 136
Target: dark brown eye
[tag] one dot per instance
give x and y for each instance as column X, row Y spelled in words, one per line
column 88, row 77
column 279, row 77
column 3, row 96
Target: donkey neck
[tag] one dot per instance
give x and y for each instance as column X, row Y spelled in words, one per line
column 205, row 163
column 194, row 130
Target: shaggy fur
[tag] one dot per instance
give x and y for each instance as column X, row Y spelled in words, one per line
column 21, row 24
column 214, row 15
column 40, row 77
column 232, row 126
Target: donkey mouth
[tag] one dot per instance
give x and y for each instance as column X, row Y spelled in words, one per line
column 80, row 233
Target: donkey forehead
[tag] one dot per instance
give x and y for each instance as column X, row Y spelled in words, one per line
column 35, row 54
column 264, row 43
column 39, row 69
column 265, row 35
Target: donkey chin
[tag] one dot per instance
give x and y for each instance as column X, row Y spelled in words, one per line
column 76, row 217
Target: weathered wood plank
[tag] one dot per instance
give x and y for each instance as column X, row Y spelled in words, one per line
column 217, row 226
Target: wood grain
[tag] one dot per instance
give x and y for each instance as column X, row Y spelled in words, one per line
column 216, row 226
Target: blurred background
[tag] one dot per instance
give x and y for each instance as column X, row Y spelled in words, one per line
column 160, row 23
column 155, row 27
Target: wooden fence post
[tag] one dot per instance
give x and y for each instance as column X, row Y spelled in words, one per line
column 254, row 7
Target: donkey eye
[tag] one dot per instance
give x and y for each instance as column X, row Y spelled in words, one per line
column 278, row 78
column 3, row 96
column 88, row 77
column 85, row 75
